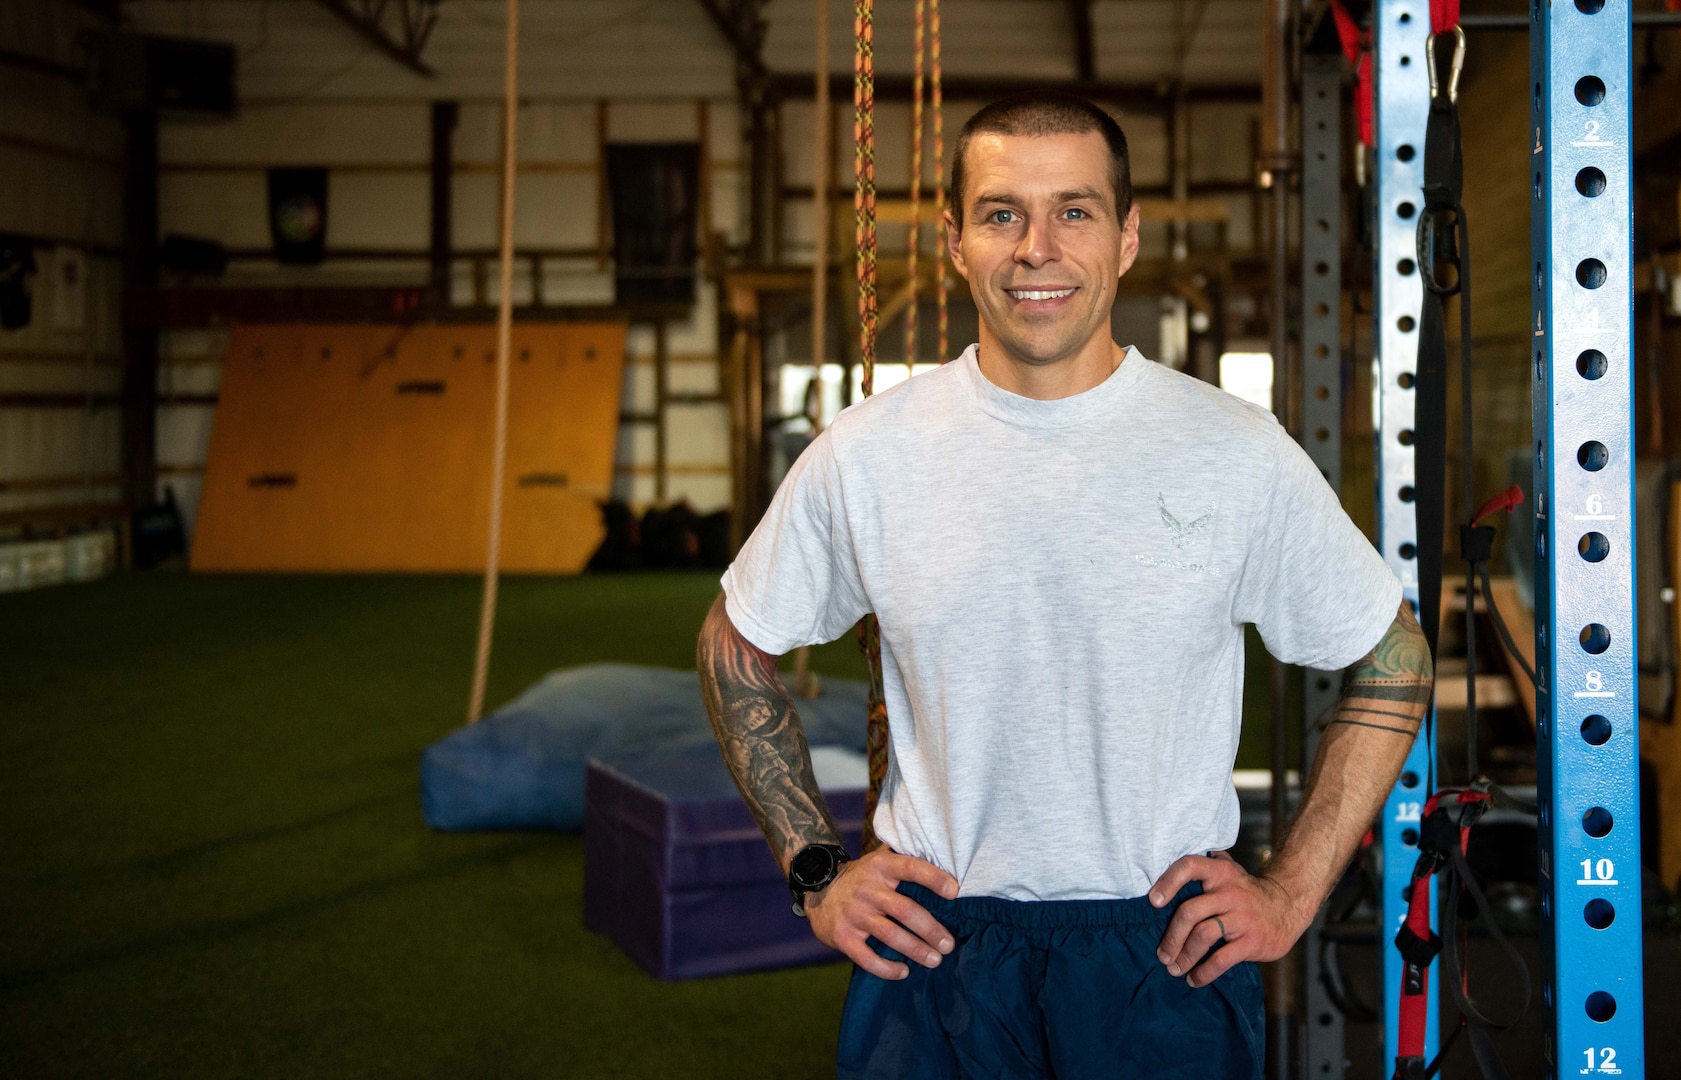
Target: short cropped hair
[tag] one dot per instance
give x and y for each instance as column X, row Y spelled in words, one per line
column 1045, row 112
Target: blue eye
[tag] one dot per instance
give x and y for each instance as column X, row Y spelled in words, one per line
column 1001, row 217
column 1076, row 212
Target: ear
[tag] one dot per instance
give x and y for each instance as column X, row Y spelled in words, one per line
column 954, row 246
column 1129, row 240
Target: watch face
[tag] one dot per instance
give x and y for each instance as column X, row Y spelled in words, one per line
column 813, row 867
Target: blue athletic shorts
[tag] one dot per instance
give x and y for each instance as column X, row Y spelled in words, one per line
column 1069, row 989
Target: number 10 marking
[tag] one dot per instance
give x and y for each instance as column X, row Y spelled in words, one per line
column 1603, row 872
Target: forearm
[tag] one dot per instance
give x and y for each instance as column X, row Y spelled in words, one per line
column 1384, row 699
column 763, row 743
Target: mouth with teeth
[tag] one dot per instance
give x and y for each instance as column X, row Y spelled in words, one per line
column 1038, row 295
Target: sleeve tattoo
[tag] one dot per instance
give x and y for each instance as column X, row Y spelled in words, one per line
column 761, row 738
column 1390, row 688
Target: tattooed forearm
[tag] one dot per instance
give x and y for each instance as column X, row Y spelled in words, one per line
column 1394, row 680
column 760, row 734
column 1384, row 698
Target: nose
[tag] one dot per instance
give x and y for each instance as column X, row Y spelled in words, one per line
column 1038, row 244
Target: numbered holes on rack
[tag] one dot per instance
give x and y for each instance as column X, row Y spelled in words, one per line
column 1596, row 730
column 1406, row 210
column 1590, row 7
column 1599, row 913
column 1600, row 1005
column 1592, row 365
column 1405, row 324
column 1592, row 455
column 1409, row 779
column 1594, row 546
column 1405, row 380
column 1407, row 551
column 1405, row 152
column 1590, row 182
column 1405, row 436
column 1590, row 273
column 1406, row 267
column 1595, row 638
column 1590, row 90
column 1597, row 822
column 1409, row 837
column 1406, row 494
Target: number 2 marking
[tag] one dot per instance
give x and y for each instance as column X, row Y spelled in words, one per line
column 1591, row 138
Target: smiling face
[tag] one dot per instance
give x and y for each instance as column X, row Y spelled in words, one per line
column 1042, row 245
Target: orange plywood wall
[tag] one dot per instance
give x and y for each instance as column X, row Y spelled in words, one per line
column 368, row 448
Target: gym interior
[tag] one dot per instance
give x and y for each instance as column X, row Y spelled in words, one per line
column 385, row 384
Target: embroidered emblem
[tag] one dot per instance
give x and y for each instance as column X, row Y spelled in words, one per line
column 1182, row 533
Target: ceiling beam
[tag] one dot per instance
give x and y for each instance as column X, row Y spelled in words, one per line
column 1085, row 48
column 742, row 26
column 416, row 17
column 1136, row 97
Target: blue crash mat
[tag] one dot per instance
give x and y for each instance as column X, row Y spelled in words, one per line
column 522, row 767
column 676, row 871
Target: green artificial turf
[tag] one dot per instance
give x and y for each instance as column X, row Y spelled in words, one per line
column 215, row 865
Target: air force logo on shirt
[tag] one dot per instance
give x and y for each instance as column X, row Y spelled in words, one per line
column 1183, row 532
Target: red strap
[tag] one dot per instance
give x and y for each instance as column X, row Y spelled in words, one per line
column 1444, row 15
column 1415, row 1007
column 1355, row 46
column 1507, row 500
column 1348, row 31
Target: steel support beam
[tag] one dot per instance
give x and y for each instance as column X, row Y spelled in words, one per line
column 1085, row 46
column 1587, row 759
column 1148, row 98
column 416, row 18
column 1400, row 28
column 1320, row 408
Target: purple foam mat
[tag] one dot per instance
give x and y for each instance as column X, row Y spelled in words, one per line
column 676, row 871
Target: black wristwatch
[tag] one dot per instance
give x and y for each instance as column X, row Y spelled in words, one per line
column 812, row 869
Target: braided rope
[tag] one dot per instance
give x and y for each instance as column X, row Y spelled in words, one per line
column 937, row 101
column 504, row 346
column 914, row 229
column 864, row 207
column 864, row 173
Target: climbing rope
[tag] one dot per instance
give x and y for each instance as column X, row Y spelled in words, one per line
column 864, row 207
column 936, row 101
column 504, row 334
column 864, row 175
column 913, row 231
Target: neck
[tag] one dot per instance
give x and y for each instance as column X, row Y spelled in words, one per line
column 1073, row 374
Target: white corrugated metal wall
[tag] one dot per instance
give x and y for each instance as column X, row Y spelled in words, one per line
column 61, row 188
column 313, row 92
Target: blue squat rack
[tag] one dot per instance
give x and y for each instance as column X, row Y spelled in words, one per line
column 1401, row 104
column 1582, row 392
column 1581, row 238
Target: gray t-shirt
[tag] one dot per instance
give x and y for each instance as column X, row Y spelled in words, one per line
column 1062, row 587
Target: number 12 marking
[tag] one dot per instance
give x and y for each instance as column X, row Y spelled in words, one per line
column 1607, row 1057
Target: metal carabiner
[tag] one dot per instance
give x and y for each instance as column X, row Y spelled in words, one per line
column 1453, row 73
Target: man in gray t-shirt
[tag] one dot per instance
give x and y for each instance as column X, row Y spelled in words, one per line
column 1062, row 542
